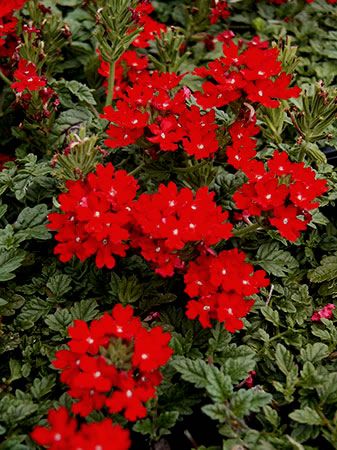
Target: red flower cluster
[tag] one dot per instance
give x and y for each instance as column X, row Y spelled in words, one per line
column 281, row 192
column 113, row 362
column 27, row 77
column 99, row 215
column 10, row 6
column 150, row 27
column 222, row 285
column 219, row 11
column 177, row 220
column 254, row 73
column 156, row 109
column 96, row 216
column 63, row 434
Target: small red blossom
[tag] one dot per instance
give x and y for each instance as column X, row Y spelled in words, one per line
column 325, row 313
column 27, row 77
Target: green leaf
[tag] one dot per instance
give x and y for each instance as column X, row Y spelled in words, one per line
column 274, row 260
column 246, row 401
column 193, row 371
column 42, row 386
column 315, row 352
column 271, row 315
column 215, row 411
column 31, row 217
column 307, row 416
column 84, row 310
column 325, row 272
column 219, row 386
column 284, row 359
column 15, row 368
column 59, row 284
column 59, row 321
column 9, row 262
column 73, row 92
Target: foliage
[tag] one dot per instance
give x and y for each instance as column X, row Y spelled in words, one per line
column 271, row 385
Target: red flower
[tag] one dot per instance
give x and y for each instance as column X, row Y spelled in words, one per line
column 287, row 223
column 121, row 323
column 11, row 5
column 85, row 339
column 325, row 313
column 63, row 434
column 60, row 433
column 129, row 397
column 167, row 133
column 103, row 435
column 219, row 11
column 151, row 349
column 27, row 77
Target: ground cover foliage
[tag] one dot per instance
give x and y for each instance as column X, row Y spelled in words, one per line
column 168, row 236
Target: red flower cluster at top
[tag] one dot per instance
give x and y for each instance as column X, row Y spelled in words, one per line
column 254, row 74
column 96, row 216
column 222, row 284
column 63, row 434
column 175, row 220
column 153, row 107
column 113, row 362
column 157, row 110
column 281, row 192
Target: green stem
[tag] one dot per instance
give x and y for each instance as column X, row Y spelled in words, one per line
column 137, row 169
column 5, row 79
column 111, row 84
column 247, row 230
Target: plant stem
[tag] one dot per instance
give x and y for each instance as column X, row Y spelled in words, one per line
column 137, row 169
column 5, row 79
column 247, row 230
column 111, row 84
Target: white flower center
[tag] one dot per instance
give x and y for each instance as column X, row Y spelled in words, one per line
column 57, row 437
